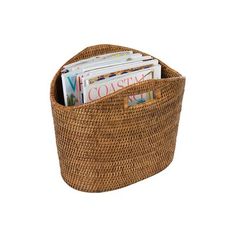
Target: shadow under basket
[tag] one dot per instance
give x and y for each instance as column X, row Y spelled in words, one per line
column 106, row 144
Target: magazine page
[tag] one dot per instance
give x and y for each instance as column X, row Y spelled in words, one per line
column 98, row 58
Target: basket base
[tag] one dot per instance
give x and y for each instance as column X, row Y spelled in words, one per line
column 99, row 184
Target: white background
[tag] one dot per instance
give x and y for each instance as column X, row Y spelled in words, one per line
column 195, row 195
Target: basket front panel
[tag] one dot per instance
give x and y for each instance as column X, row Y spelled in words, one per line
column 105, row 145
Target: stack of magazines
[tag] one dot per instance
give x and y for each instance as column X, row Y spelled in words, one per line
column 90, row 79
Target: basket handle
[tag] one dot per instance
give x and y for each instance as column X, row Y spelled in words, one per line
column 133, row 98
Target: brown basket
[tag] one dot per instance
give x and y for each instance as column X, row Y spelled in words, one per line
column 105, row 145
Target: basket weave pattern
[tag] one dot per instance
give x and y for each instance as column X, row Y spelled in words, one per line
column 104, row 145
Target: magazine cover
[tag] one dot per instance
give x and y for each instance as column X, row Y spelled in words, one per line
column 70, row 89
column 102, row 88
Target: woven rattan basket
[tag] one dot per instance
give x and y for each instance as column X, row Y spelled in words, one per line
column 105, row 145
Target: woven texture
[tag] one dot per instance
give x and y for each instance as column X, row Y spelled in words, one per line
column 104, row 145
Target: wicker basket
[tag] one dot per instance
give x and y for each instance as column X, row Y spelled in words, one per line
column 104, row 145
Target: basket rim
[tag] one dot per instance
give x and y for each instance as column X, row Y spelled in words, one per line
column 81, row 106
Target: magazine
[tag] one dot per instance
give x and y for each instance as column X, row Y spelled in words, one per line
column 70, row 89
column 102, row 88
